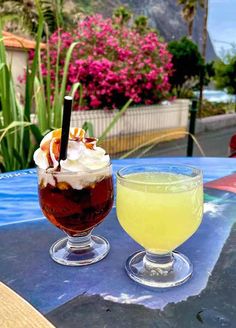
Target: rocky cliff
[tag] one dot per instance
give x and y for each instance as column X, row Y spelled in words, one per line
column 165, row 16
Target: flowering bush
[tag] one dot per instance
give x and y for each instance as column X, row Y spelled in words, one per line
column 113, row 64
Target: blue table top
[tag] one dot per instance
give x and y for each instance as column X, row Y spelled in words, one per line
column 25, row 238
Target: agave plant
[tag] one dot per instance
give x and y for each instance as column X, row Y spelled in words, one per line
column 18, row 136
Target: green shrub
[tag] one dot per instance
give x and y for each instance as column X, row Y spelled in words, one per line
column 187, row 61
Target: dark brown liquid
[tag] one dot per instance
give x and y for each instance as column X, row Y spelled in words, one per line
column 77, row 211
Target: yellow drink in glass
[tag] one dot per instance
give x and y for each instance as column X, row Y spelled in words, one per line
column 159, row 217
column 160, row 207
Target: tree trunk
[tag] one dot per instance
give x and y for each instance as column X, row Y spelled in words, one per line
column 190, row 29
column 204, row 34
column 204, row 46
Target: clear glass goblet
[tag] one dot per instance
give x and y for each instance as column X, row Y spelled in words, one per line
column 160, row 207
column 76, row 202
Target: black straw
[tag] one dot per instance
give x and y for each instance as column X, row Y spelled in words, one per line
column 65, row 127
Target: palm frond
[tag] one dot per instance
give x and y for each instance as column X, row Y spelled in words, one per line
column 188, row 13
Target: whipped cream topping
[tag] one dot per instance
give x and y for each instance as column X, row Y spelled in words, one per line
column 88, row 162
column 82, row 153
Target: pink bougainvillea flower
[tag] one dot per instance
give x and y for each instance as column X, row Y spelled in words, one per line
column 113, row 65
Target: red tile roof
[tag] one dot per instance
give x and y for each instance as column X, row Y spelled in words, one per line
column 14, row 41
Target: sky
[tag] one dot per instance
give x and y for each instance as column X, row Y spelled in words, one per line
column 222, row 23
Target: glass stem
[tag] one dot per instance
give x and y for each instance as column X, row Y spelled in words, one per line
column 80, row 241
column 158, row 264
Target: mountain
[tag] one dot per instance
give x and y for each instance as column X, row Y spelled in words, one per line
column 164, row 15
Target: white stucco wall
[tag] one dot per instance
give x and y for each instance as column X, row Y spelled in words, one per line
column 136, row 120
column 17, row 59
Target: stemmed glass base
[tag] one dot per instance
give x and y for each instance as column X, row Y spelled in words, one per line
column 159, row 271
column 78, row 251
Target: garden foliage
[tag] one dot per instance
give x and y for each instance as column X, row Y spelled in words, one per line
column 187, row 61
column 113, row 64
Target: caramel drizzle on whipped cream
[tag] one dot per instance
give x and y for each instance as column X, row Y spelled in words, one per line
column 52, row 145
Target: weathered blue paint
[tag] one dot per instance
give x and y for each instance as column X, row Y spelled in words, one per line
column 25, row 238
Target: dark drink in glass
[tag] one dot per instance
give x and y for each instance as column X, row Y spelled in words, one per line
column 76, row 202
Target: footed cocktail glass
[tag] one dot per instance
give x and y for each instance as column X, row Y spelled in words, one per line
column 76, row 202
column 160, row 207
